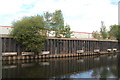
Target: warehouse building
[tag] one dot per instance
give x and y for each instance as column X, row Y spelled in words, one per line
column 6, row 30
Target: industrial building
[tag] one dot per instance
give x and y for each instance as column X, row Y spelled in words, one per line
column 81, row 35
column 6, row 30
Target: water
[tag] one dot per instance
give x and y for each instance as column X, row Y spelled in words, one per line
column 104, row 66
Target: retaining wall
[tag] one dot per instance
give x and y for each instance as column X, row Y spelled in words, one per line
column 63, row 47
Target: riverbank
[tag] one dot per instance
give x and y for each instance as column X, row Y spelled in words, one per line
column 28, row 57
column 58, row 48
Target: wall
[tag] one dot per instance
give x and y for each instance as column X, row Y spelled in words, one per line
column 62, row 45
column 5, row 29
column 81, row 35
column 50, row 33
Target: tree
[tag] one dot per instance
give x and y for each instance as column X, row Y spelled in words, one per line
column 55, row 21
column 67, row 32
column 28, row 32
column 113, row 32
column 118, row 35
column 96, row 35
column 47, row 18
column 103, row 31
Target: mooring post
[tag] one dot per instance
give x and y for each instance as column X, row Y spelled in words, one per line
column 0, row 58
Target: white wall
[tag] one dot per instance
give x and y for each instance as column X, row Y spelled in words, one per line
column 5, row 30
column 81, row 35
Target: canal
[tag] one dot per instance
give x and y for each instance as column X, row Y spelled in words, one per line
column 102, row 66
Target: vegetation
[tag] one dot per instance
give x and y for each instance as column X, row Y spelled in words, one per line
column 113, row 33
column 96, row 35
column 103, row 31
column 118, row 38
column 67, row 32
column 55, row 21
column 28, row 32
column 103, row 34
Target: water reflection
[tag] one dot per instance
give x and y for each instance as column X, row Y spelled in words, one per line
column 103, row 66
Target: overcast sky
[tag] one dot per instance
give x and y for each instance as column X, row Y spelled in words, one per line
column 81, row 15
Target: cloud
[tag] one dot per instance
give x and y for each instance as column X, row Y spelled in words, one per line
column 114, row 2
column 81, row 15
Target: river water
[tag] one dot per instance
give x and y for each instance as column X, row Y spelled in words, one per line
column 104, row 66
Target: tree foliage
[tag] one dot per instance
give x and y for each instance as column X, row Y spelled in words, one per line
column 118, row 38
column 55, row 21
column 47, row 18
column 96, row 35
column 28, row 32
column 67, row 32
column 102, row 34
column 103, row 31
column 113, row 32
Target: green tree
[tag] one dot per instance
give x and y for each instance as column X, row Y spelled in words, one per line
column 67, row 33
column 55, row 21
column 47, row 18
column 103, row 31
column 113, row 32
column 118, row 34
column 28, row 32
column 96, row 35
column 118, row 37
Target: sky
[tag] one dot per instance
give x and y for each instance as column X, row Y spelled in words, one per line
column 81, row 15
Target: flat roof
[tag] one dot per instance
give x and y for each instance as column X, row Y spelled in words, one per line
column 7, row 26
